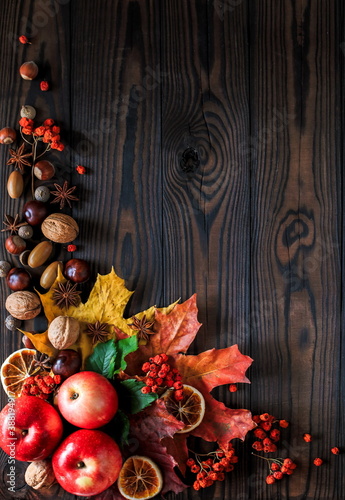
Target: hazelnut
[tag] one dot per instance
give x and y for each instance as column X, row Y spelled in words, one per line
column 5, row 267
column 44, row 170
column 7, row 135
column 28, row 70
column 23, row 305
column 60, row 228
column 40, row 474
column 28, row 112
column 63, row 332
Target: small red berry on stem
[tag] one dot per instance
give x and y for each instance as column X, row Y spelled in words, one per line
column 284, row 423
column 24, row 40
column 270, row 479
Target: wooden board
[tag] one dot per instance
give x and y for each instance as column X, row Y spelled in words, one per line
column 212, row 135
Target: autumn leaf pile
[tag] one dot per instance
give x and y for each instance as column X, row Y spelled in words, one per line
column 143, row 424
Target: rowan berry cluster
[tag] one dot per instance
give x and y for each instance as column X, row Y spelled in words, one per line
column 267, row 432
column 160, row 375
column 40, row 385
column 48, row 132
column 213, row 468
column 278, row 468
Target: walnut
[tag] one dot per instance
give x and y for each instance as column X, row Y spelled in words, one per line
column 23, row 305
column 63, row 332
column 60, row 228
column 40, row 474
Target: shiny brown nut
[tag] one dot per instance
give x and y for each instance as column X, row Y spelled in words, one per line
column 23, row 257
column 49, row 275
column 40, row 254
column 63, row 332
column 60, row 228
column 23, row 305
column 15, row 184
column 44, row 170
column 15, row 245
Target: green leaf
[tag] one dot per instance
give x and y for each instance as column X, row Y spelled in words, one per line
column 131, row 397
column 103, row 358
column 124, row 347
column 121, row 428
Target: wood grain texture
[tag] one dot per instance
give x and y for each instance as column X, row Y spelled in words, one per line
column 211, row 131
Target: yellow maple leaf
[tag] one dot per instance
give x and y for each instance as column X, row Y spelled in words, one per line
column 106, row 304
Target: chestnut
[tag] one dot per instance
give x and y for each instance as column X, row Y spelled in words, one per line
column 15, row 245
column 7, row 135
column 27, row 342
column 18, row 279
column 35, row 212
column 28, row 70
column 44, row 170
column 67, row 363
column 77, row 270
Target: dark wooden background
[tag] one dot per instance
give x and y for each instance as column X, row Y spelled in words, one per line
column 212, row 134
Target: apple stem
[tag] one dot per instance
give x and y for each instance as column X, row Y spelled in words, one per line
column 24, row 432
column 80, row 465
column 74, row 396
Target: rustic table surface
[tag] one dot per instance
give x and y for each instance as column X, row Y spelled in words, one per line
column 212, row 135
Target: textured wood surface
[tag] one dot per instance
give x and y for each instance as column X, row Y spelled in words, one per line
column 212, row 133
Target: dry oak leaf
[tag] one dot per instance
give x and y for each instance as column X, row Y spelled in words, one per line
column 211, row 369
column 175, row 330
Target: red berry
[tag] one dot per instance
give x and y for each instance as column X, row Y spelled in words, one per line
column 165, row 367
column 177, row 377
column 283, row 423
column 178, row 385
column 161, row 374
column 257, row 419
column 195, row 468
column 278, row 475
column 257, row 445
column 307, row 438
column 158, row 359
column 287, row 462
column 318, row 462
column 260, row 433
column 150, row 382
column 270, row 479
column 190, row 462
column 169, row 383
column 266, row 426
column 154, row 388
column 275, row 466
column 335, row 450
column 153, row 367
column 146, row 389
column 146, row 367
column 159, row 381
column 233, row 388
column 267, row 442
column 196, row 485
column 265, row 417
column 152, row 373
column 165, row 358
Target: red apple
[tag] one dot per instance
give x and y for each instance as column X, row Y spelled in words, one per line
column 87, row 400
column 87, row 462
column 30, row 429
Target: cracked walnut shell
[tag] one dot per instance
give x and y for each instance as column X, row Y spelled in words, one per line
column 63, row 332
column 60, row 228
column 23, row 305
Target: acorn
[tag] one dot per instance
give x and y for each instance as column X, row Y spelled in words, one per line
column 15, row 184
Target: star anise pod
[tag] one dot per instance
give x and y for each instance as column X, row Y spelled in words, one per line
column 66, row 295
column 143, row 327
column 18, row 158
column 43, row 361
column 63, row 194
column 98, row 331
column 12, row 224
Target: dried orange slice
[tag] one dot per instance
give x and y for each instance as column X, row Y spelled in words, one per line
column 139, row 478
column 190, row 410
column 16, row 368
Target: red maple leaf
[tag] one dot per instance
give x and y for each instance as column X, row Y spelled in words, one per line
column 174, row 332
column 211, row 369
